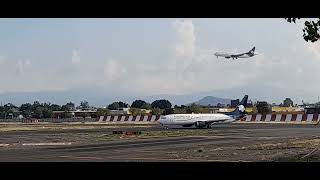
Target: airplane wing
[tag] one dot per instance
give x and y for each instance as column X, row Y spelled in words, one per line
column 228, row 55
column 237, row 55
column 223, row 55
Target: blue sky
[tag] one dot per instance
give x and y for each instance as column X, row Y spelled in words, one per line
column 158, row 56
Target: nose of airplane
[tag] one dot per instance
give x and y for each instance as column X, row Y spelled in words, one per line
column 162, row 120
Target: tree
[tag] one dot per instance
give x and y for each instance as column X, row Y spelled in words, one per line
column 219, row 105
column 140, row 104
column 263, row 107
column 66, row 114
column 117, row 105
column 84, row 104
column 35, row 105
column 2, row 112
column 135, row 111
column 168, row 111
column 55, row 107
column 156, row 111
column 70, row 106
column 123, row 105
column 26, row 109
column 9, row 109
column 180, row 110
column 38, row 112
column 113, row 106
column 47, row 113
column 287, row 102
column 310, row 30
column 162, row 104
column 103, row 112
column 193, row 108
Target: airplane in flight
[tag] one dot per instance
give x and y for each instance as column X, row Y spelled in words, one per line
column 204, row 120
column 236, row 56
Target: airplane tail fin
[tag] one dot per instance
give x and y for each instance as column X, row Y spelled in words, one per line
column 240, row 109
column 252, row 50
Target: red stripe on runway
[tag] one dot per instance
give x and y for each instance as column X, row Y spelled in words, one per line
column 141, row 118
column 293, row 117
column 119, row 117
column 134, row 118
column 149, row 118
column 315, row 117
column 157, row 117
column 263, row 117
column 127, row 117
column 253, row 117
column 273, row 117
column 112, row 117
column 283, row 117
column 304, row 117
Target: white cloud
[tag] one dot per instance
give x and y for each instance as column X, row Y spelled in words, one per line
column 27, row 62
column 114, row 70
column 185, row 45
column 75, row 57
column 188, row 67
column 21, row 67
column 197, row 69
column 191, row 68
column 186, row 38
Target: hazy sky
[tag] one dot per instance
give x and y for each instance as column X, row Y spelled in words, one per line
column 157, row 56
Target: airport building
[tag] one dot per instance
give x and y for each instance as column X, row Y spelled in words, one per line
column 120, row 111
column 76, row 114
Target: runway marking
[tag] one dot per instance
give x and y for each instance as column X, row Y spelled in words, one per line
column 45, row 144
column 81, row 157
column 164, row 159
column 140, row 144
column 4, row 145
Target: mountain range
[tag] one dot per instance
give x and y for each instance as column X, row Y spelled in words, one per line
column 213, row 101
column 102, row 97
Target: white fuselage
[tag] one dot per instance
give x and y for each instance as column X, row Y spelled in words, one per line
column 190, row 119
column 230, row 56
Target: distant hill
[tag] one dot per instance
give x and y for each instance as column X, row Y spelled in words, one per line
column 213, row 101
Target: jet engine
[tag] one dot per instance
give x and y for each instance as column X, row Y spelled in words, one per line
column 200, row 124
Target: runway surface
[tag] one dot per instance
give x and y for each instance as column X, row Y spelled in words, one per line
column 233, row 142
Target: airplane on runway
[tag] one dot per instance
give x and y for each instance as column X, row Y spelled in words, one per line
column 204, row 120
column 236, row 56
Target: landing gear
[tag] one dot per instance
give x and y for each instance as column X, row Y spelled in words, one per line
column 200, row 125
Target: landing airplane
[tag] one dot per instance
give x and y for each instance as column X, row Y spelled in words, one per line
column 236, row 56
column 204, row 120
